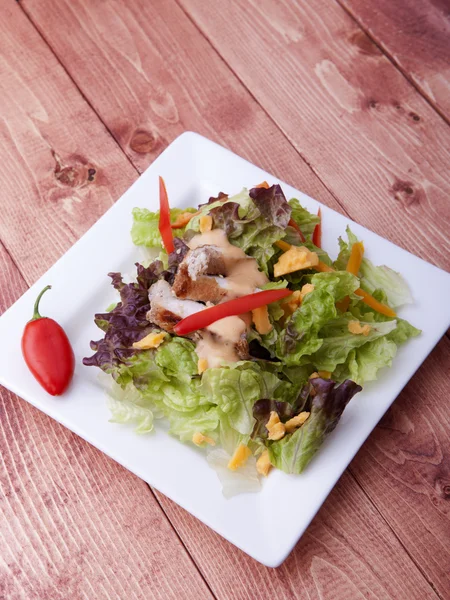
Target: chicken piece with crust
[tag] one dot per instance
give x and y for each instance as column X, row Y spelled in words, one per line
column 166, row 310
column 196, row 277
column 223, row 340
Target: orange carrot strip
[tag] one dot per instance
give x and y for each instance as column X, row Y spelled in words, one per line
column 183, row 219
column 353, row 266
column 373, row 303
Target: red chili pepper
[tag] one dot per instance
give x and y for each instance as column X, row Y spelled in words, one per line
column 317, row 235
column 239, row 306
column 47, row 351
column 293, row 224
column 165, row 228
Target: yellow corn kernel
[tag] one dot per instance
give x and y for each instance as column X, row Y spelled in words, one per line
column 240, row 457
column 296, row 422
column 358, row 329
column 324, row 374
column 199, row 439
column 261, row 320
column 205, row 223
column 202, row 365
column 295, row 259
column 263, row 464
column 274, row 426
column 152, row 340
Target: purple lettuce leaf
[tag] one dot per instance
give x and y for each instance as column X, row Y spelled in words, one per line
column 226, row 217
column 127, row 322
column 212, row 199
column 261, row 413
column 272, row 205
column 326, row 402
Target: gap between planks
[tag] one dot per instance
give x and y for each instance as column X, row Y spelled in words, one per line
column 379, row 44
column 301, row 157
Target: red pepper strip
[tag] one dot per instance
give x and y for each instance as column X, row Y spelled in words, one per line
column 238, row 306
column 165, row 228
column 293, row 224
column 47, row 352
column 317, row 235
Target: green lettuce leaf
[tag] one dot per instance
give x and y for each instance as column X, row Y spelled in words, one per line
column 177, row 357
column 145, row 232
column 128, row 406
column 362, row 364
column 301, row 337
column 234, row 390
column 339, row 284
column 404, row 330
column 374, row 278
column 304, row 219
column 327, row 402
column 204, row 419
column 338, row 341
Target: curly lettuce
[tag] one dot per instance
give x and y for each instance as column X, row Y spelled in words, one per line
column 325, row 402
column 145, row 231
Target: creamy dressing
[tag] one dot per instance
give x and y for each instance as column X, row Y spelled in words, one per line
column 242, row 275
column 218, row 342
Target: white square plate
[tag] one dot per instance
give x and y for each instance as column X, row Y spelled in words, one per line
column 195, row 168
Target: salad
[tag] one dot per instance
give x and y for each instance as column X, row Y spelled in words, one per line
column 243, row 333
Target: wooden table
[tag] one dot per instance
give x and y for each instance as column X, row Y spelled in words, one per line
column 348, row 100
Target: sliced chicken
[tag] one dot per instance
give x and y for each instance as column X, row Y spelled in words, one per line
column 213, row 273
column 196, row 277
column 224, row 340
column 166, row 310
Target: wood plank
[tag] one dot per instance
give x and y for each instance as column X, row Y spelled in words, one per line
column 369, row 135
column 74, row 523
column 61, row 168
column 331, row 561
column 416, row 37
column 405, row 467
column 151, row 76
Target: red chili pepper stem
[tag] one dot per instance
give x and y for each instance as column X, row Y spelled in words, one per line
column 36, row 314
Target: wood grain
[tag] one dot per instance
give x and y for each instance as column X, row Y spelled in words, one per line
column 152, row 75
column 147, row 65
column 332, row 560
column 73, row 523
column 405, row 468
column 61, row 169
column 416, row 36
column 368, row 134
